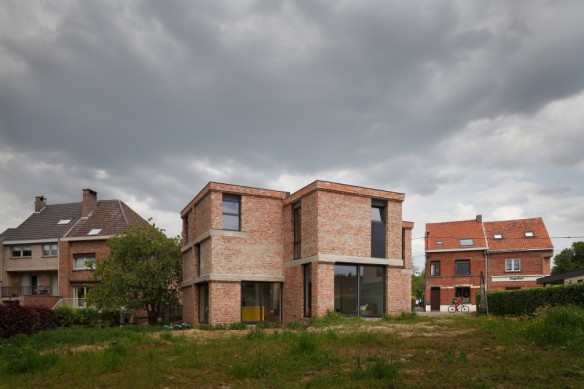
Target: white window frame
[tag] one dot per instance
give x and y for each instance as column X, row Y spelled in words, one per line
column 433, row 271
column 85, row 258
column 80, row 301
column 49, row 252
column 510, row 264
column 20, row 248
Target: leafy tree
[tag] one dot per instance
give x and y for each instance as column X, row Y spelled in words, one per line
column 569, row 259
column 142, row 271
column 418, row 285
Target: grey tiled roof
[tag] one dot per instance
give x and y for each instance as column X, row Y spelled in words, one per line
column 43, row 224
column 111, row 216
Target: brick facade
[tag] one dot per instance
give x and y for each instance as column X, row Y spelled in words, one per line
column 493, row 244
column 335, row 228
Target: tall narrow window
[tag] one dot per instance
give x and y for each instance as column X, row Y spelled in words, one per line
column 186, row 228
column 231, row 212
column 204, row 303
column 435, row 268
column 307, row 269
column 297, row 231
column 378, row 229
column 198, row 259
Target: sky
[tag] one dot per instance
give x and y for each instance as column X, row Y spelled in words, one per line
column 466, row 107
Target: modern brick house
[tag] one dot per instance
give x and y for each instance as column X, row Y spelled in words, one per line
column 42, row 261
column 253, row 254
column 511, row 254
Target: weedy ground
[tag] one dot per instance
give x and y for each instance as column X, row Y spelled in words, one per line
column 442, row 351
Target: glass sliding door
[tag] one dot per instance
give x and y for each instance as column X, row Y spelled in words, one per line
column 346, row 289
column 359, row 290
column 371, row 290
column 260, row 301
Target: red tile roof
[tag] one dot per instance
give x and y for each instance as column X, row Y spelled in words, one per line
column 513, row 232
column 450, row 233
column 514, row 238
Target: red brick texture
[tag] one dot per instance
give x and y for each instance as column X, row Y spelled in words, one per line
column 336, row 223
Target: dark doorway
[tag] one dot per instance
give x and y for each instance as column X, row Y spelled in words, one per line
column 435, row 299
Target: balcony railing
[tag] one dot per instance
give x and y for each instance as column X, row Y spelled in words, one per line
column 17, row 291
column 68, row 302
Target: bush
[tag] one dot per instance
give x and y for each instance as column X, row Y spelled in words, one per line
column 558, row 326
column 527, row 301
column 28, row 320
column 69, row 316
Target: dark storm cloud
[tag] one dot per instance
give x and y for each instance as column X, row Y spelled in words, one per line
column 152, row 99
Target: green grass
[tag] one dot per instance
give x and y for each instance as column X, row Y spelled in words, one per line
column 394, row 352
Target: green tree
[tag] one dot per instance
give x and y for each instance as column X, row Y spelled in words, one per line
column 142, row 271
column 569, row 259
column 418, row 285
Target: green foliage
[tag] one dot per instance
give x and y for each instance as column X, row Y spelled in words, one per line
column 558, row 326
column 143, row 271
column 330, row 318
column 402, row 317
column 527, row 301
column 569, row 259
column 23, row 360
column 69, row 316
column 237, row 326
column 16, row 319
column 377, row 368
column 418, row 285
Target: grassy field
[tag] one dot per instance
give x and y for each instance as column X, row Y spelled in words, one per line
column 446, row 351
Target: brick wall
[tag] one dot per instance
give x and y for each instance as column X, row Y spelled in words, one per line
column 293, row 295
column 189, row 313
column 224, row 302
column 323, row 286
column 68, row 277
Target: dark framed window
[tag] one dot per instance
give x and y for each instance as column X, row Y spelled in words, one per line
column 359, row 290
column 307, row 270
column 198, row 259
column 231, row 212
column 297, row 216
column 435, row 268
column 49, row 250
column 464, row 293
column 378, row 228
column 22, row 251
column 203, row 303
column 186, row 228
column 462, row 267
column 261, row 301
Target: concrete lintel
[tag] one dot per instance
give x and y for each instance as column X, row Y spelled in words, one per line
column 329, row 258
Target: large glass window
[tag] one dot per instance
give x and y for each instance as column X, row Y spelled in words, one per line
column 462, row 267
column 231, row 212
column 21, row 251
column 464, row 293
column 307, row 270
column 261, row 301
column 297, row 232
column 378, row 229
column 203, row 303
column 359, row 290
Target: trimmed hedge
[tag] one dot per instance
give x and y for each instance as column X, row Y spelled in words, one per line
column 527, row 301
column 69, row 317
column 28, row 319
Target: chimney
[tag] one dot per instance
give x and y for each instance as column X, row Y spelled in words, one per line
column 89, row 202
column 39, row 203
column 479, row 218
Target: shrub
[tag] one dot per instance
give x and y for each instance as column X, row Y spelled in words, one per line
column 69, row 316
column 28, row 320
column 527, row 301
column 558, row 326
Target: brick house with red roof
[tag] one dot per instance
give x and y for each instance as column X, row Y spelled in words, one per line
column 511, row 254
column 252, row 255
column 44, row 259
